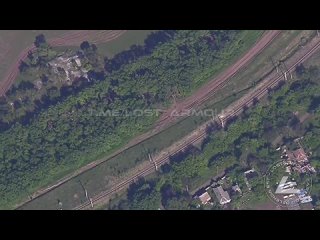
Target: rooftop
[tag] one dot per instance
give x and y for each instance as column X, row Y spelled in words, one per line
column 298, row 155
column 222, row 195
column 285, row 187
column 236, row 188
column 205, row 198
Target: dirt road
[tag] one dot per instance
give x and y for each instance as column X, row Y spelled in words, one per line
column 200, row 133
column 74, row 38
column 201, row 94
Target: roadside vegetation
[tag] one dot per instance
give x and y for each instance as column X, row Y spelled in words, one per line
column 250, row 141
column 50, row 127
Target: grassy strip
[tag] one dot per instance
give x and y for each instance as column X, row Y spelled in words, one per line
column 115, row 165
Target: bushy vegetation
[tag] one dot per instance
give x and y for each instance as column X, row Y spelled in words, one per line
column 45, row 135
column 246, row 143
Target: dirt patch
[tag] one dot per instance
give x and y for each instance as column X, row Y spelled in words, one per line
column 4, row 49
column 268, row 206
column 304, row 117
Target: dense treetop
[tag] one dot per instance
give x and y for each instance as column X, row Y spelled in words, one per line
column 48, row 132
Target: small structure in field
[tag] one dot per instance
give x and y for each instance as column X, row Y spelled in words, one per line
column 248, row 175
column 236, row 188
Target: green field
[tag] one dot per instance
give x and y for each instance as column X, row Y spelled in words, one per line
column 123, row 42
column 102, row 143
column 100, row 177
column 264, row 154
column 13, row 42
column 161, row 141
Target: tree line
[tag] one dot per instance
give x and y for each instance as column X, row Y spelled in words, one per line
column 63, row 134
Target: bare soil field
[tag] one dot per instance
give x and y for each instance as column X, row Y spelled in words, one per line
column 15, row 46
column 77, row 173
column 260, row 45
column 267, row 206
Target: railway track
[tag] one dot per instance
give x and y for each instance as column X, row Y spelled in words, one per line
column 264, row 89
column 222, row 79
column 148, row 170
column 258, row 93
column 271, row 35
column 223, row 83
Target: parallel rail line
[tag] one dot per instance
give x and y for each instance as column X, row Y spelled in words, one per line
column 258, row 93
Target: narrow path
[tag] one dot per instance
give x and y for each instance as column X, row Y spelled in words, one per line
column 258, row 47
column 75, row 38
